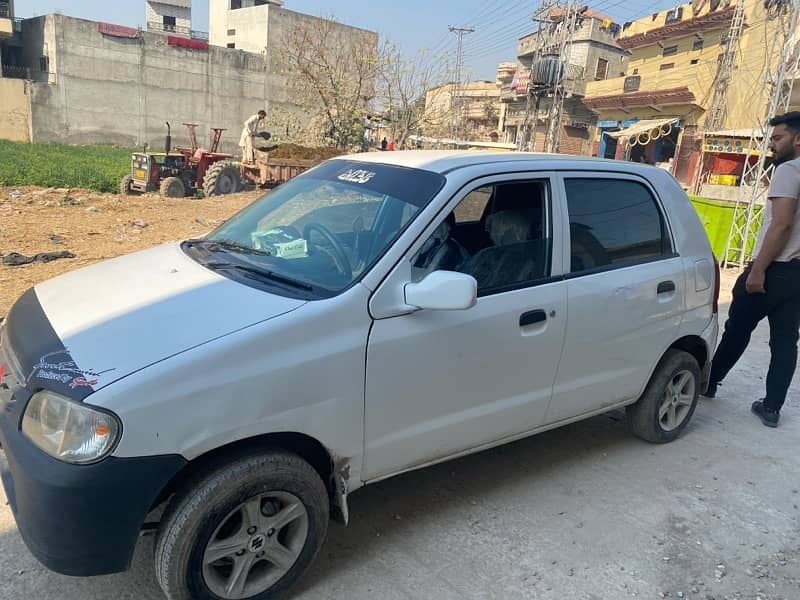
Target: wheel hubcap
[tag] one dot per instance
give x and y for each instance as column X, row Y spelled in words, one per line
column 677, row 401
column 255, row 545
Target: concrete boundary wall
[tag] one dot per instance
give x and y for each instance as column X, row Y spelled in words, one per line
column 121, row 91
column 15, row 116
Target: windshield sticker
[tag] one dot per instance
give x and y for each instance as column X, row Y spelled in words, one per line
column 357, row 176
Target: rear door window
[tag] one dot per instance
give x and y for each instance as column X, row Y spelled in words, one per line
column 613, row 222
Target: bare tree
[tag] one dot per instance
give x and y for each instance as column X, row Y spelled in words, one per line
column 332, row 71
column 408, row 90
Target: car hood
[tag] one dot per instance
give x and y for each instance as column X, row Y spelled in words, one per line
column 84, row 330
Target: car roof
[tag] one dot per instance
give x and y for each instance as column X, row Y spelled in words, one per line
column 444, row 161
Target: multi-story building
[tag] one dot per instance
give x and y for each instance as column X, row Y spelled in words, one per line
column 243, row 24
column 594, row 54
column 170, row 16
column 468, row 111
column 6, row 18
column 657, row 109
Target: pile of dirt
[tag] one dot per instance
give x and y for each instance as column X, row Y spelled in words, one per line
column 290, row 151
column 93, row 226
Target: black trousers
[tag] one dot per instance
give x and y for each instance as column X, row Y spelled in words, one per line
column 781, row 305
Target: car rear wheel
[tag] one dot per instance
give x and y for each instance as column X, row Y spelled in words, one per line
column 669, row 400
column 248, row 529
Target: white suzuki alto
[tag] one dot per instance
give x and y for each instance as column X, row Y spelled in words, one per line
column 379, row 313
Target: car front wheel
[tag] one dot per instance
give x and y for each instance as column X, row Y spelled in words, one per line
column 669, row 400
column 248, row 529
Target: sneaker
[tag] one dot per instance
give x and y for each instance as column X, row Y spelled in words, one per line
column 768, row 417
column 711, row 392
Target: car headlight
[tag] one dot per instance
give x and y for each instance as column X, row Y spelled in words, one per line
column 69, row 431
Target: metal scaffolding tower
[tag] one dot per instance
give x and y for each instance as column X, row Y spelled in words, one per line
column 778, row 84
column 716, row 114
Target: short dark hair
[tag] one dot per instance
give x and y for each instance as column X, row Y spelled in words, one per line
column 262, row 112
column 790, row 119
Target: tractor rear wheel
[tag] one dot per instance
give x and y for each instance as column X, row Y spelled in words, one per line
column 222, row 178
column 172, row 187
column 125, row 188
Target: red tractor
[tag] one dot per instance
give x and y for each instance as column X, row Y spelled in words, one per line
column 184, row 171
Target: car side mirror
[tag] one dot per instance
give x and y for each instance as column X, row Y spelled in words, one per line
column 443, row 290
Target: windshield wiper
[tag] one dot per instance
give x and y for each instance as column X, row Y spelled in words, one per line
column 261, row 274
column 214, row 245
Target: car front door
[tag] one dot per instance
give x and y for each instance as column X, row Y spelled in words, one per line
column 625, row 287
column 444, row 382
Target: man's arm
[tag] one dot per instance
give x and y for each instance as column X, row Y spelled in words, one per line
column 783, row 212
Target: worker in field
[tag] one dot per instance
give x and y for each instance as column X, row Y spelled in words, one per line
column 247, row 140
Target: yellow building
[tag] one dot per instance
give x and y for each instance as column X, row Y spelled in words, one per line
column 6, row 18
column 657, row 110
column 470, row 111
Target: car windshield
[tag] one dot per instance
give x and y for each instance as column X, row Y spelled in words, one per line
column 320, row 232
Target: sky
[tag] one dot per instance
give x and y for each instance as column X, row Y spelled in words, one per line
column 414, row 25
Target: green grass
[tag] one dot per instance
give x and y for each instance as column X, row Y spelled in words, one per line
column 98, row 168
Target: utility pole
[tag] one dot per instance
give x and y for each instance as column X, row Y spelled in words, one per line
column 749, row 209
column 553, row 41
column 455, row 98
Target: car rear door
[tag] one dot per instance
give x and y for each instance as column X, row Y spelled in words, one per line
column 625, row 288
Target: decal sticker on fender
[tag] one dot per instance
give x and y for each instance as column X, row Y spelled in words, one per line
column 65, row 371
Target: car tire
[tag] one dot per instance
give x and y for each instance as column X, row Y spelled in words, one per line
column 231, row 509
column 669, row 400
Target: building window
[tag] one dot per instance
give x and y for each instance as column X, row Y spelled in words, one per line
column 44, row 64
column 631, row 84
column 231, row 32
column 169, row 21
column 235, row 4
column 602, row 69
column 674, row 15
column 666, row 66
column 670, row 51
column 698, row 45
column 695, row 61
column 232, row 45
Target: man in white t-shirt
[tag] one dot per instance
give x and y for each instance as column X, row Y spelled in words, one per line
column 247, row 139
column 770, row 285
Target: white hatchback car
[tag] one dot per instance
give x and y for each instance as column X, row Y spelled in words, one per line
column 377, row 314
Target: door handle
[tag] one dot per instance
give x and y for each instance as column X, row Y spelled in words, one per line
column 532, row 317
column 666, row 286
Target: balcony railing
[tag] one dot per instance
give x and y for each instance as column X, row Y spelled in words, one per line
column 5, row 10
column 177, row 30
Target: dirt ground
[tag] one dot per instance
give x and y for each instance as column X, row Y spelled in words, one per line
column 93, row 227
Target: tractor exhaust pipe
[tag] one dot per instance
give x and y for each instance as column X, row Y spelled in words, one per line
column 168, row 143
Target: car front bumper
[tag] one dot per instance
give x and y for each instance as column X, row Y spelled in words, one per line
column 76, row 520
